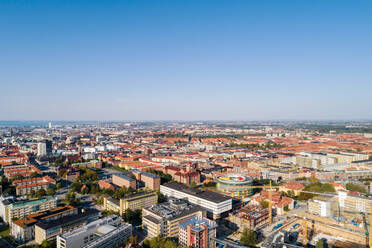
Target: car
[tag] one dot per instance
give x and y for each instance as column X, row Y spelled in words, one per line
column 295, row 226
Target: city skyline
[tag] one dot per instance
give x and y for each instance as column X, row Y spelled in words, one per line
column 186, row 60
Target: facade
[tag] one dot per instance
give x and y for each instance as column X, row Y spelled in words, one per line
column 22, row 170
column 320, row 205
column 25, row 186
column 197, row 232
column 215, row 204
column 164, row 219
column 44, row 148
column 150, row 180
column 102, row 233
column 133, row 202
column 22, row 209
column 49, row 229
column 235, row 185
column 251, row 217
column 24, row 229
column 121, row 180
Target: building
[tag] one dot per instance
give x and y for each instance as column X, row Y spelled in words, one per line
column 235, row 185
column 133, row 202
column 122, row 180
column 150, row 180
column 183, row 175
column 49, row 229
column 21, row 170
column 25, row 186
column 197, row 232
column 44, row 148
column 320, row 205
column 279, row 203
column 351, row 203
column 24, row 229
column 164, row 219
column 294, row 187
column 251, row 217
column 102, row 233
column 217, row 205
column 23, row 208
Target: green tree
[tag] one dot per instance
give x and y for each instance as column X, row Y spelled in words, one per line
column 320, row 243
column 355, row 187
column 264, row 204
column 58, row 185
column 51, row 191
column 41, row 193
column 248, row 237
column 193, row 184
column 34, row 175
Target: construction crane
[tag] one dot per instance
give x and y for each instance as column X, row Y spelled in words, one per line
column 270, row 188
column 304, row 225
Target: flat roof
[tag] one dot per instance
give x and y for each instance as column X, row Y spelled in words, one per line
column 204, row 194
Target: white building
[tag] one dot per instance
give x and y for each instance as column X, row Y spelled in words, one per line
column 41, row 149
column 102, row 233
column 215, row 204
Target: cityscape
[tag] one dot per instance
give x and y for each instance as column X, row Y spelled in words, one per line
column 185, row 124
column 187, row 184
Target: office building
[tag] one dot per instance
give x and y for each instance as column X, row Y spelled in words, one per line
column 44, row 148
column 24, row 229
column 197, row 232
column 217, row 205
column 133, row 202
column 102, row 233
column 164, row 219
column 48, row 230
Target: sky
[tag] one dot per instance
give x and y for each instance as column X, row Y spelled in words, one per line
column 185, row 60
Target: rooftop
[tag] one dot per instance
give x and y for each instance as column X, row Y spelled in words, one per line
column 204, row 194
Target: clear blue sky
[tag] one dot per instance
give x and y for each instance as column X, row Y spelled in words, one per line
column 188, row 60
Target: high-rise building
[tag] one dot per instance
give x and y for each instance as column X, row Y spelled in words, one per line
column 50, row 125
column 44, row 148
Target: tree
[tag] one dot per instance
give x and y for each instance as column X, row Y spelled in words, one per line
column 51, row 191
column 320, row 243
column 286, row 208
column 193, row 184
column 41, row 193
column 264, row 204
column 18, row 177
column 133, row 241
column 355, row 187
column 34, row 175
column 58, row 186
column 248, row 237
column 47, row 244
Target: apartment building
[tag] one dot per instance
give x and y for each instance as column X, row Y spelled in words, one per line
column 102, row 233
column 133, row 202
column 49, row 229
column 197, row 232
column 21, row 170
column 321, row 205
column 164, row 219
column 217, row 205
column 21, row 209
column 25, row 186
column 24, row 229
